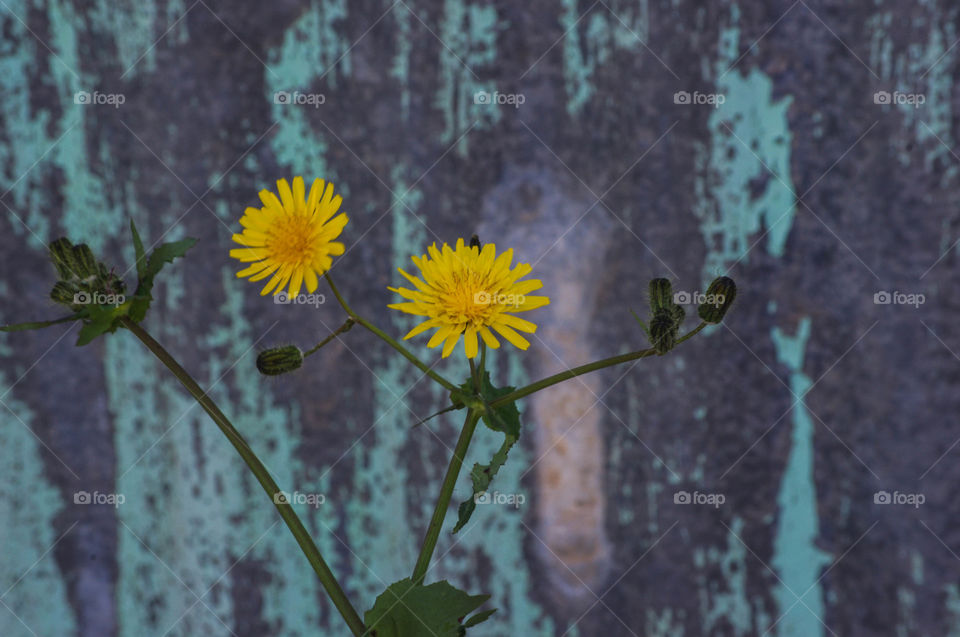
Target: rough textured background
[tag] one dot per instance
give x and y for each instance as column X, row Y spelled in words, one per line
column 810, row 400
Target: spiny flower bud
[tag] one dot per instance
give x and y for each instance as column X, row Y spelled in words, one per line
column 64, row 293
column 719, row 298
column 661, row 294
column 85, row 263
column 63, row 257
column 678, row 315
column 663, row 331
column 279, row 360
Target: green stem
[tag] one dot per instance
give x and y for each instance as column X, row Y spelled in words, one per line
column 583, row 369
column 387, row 339
column 446, row 492
column 300, row 532
column 340, row 330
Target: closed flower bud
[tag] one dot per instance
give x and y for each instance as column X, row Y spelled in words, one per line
column 64, row 293
column 678, row 315
column 63, row 257
column 719, row 298
column 279, row 360
column 85, row 263
column 663, row 331
column 661, row 294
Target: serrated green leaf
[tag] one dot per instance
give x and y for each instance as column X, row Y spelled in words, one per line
column 138, row 251
column 36, row 325
column 482, row 475
column 505, row 418
column 406, row 609
column 165, row 253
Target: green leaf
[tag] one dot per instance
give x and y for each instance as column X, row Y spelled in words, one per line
column 37, row 325
column 406, row 609
column 138, row 250
column 646, row 330
column 505, row 418
column 101, row 319
column 481, row 476
column 165, row 253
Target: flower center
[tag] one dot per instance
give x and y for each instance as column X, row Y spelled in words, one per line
column 290, row 239
column 469, row 301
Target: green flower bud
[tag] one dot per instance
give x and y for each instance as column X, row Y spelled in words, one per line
column 663, row 331
column 63, row 257
column 279, row 360
column 719, row 298
column 85, row 263
column 64, row 293
column 661, row 294
column 678, row 315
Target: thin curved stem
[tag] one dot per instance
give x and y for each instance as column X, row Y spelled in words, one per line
column 340, row 330
column 584, row 369
column 387, row 339
column 446, row 492
column 263, row 476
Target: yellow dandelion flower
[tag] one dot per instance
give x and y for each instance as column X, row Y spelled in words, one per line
column 291, row 238
column 468, row 291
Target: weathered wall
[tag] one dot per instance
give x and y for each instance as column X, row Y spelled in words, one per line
column 809, row 400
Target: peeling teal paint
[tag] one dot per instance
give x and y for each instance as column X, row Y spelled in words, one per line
column 731, row 606
column 737, row 198
column 591, row 40
column 29, row 506
column 796, row 557
column 469, row 35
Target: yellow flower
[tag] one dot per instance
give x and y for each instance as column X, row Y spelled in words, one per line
column 292, row 237
column 468, row 291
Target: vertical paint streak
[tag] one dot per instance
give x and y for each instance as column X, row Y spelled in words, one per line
column 796, row 557
column 720, row 608
column 29, row 505
column 312, row 48
column 592, row 40
column 736, row 195
column 469, row 35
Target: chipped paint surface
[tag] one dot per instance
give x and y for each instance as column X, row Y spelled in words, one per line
column 796, row 557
